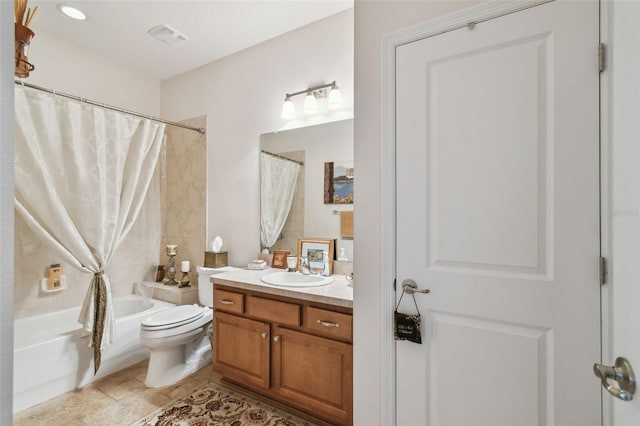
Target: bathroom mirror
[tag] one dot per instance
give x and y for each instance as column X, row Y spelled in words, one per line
column 309, row 215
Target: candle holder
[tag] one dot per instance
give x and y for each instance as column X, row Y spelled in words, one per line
column 185, row 268
column 185, row 281
column 172, row 251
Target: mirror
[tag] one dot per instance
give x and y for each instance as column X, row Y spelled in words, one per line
column 309, row 216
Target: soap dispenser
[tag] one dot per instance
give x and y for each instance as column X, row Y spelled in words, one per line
column 342, row 256
column 325, row 264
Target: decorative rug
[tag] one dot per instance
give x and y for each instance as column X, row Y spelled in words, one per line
column 220, row 406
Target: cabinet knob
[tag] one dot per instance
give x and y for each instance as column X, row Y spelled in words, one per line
column 264, row 334
column 227, row 302
column 276, row 339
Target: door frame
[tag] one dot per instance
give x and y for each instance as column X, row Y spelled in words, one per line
column 612, row 137
column 605, row 204
column 7, row 209
column 460, row 19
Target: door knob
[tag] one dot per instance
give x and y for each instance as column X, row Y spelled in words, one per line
column 410, row 287
column 622, row 373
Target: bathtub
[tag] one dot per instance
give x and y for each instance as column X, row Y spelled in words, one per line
column 51, row 353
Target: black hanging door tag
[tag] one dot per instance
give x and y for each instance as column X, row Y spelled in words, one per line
column 407, row 326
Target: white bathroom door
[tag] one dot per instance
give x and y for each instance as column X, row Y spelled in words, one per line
column 497, row 168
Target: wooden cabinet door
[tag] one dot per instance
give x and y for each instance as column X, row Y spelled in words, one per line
column 241, row 349
column 313, row 373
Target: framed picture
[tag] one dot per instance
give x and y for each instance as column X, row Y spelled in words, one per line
column 280, row 259
column 338, row 182
column 313, row 250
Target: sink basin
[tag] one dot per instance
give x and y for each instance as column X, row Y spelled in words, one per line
column 295, row 279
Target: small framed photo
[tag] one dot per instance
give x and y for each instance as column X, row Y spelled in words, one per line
column 280, row 259
column 313, row 250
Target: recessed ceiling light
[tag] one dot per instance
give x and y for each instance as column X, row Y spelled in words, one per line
column 72, row 12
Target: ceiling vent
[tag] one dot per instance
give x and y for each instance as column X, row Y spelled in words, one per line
column 167, row 35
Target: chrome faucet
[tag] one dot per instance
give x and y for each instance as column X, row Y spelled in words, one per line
column 305, row 269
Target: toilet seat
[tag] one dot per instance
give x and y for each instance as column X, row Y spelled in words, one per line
column 174, row 317
column 175, row 329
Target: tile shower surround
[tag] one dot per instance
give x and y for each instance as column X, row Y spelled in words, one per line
column 184, row 219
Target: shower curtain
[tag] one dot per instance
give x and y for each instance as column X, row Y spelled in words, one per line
column 81, row 177
column 277, row 186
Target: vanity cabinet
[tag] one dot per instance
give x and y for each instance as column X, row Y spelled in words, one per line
column 293, row 351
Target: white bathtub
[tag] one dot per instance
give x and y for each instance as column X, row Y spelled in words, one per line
column 51, row 353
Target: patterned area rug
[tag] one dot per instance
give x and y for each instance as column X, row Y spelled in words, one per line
column 220, row 406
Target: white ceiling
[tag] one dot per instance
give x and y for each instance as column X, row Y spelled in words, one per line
column 117, row 29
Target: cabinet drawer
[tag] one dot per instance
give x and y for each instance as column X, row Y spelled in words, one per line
column 329, row 323
column 273, row 310
column 228, row 301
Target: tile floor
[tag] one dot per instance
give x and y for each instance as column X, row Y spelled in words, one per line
column 116, row 400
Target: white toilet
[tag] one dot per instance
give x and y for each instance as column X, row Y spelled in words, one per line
column 179, row 338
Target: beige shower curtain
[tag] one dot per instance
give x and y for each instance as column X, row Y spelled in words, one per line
column 81, row 176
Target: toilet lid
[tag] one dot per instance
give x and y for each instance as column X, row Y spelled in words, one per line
column 173, row 317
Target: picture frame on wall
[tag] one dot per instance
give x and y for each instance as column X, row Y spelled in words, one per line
column 338, row 182
column 313, row 249
column 280, row 259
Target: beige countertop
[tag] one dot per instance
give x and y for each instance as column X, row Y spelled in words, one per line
column 338, row 293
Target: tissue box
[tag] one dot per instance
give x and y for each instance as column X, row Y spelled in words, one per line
column 215, row 260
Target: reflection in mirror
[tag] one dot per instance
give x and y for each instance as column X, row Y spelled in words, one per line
column 309, row 216
column 278, row 182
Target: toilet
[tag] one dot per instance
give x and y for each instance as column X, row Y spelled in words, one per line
column 179, row 338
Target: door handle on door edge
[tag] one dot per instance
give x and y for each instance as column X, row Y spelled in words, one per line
column 410, row 287
column 622, row 373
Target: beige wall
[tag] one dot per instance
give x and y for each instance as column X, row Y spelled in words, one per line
column 69, row 69
column 373, row 19
column 242, row 96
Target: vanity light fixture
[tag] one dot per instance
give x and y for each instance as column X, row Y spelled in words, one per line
column 310, row 103
column 311, row 100
column 72, row 12
column 288, row 109
column 335, row 97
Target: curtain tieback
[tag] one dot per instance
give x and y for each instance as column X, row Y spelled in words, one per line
column 100, row 308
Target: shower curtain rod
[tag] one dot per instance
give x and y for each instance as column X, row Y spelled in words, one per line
column 280, row 156
column 113, row 108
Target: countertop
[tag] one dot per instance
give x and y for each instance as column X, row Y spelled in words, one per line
column 338, row 293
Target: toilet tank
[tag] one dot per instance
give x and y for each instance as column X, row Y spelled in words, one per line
column 205, row 286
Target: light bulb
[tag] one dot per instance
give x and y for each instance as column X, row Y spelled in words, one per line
column 335, row 98
column 288, row 110
column 310, row 104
